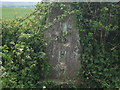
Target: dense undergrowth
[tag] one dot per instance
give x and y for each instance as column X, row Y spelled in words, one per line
column 100, row 33
column 23, row 45
column 24, row 62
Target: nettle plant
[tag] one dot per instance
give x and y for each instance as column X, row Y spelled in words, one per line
column 24, row 59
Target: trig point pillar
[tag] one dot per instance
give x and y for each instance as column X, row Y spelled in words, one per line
column 63, row 46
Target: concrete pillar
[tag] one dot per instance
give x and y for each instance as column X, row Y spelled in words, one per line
column 63, row 52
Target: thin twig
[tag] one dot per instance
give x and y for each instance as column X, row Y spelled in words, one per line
column 19, row 24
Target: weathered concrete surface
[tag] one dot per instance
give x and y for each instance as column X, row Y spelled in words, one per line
column 63, row 51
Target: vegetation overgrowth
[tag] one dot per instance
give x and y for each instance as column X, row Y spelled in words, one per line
column 23, row 49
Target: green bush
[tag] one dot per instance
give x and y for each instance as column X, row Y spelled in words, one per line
column 24, row 59
column 99, row 32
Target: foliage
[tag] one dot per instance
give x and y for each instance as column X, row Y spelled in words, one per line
column 24, row 58
column 51, row 84
column 99, row 33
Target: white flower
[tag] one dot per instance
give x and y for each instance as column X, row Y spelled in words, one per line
column 21, row 49
column 44, row 87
